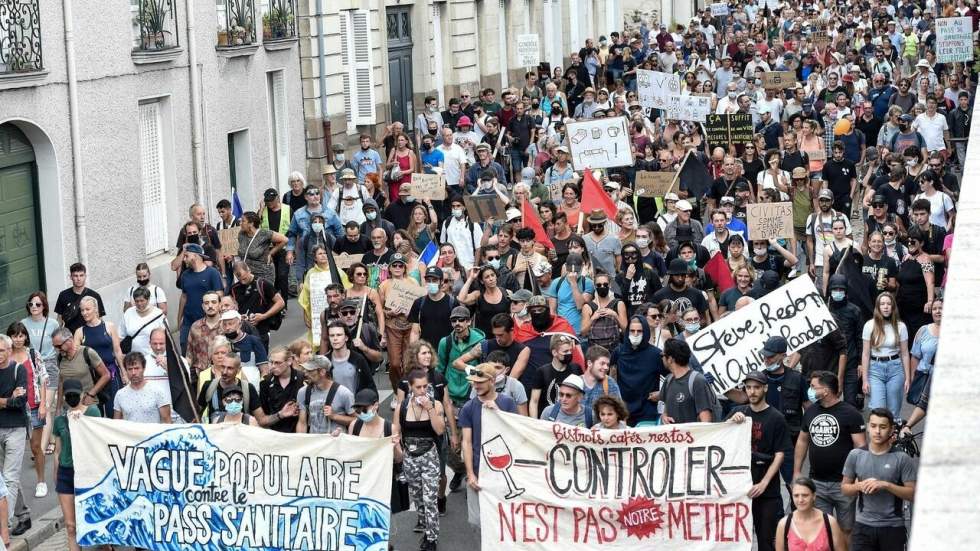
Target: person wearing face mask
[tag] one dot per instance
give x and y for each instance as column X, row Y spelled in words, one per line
column 459, row 231
column 72, row 390
column 603, row 319
column 636, row 281
column 430, row 315
column 763, row 258
column 369, row 424
column 907, row 136
column 678, row 289
column 549, row 377
column 158, row 297
column 786, row 393
column 373, row 220
column 537, row 334
column 639, row 367
column 850, row 323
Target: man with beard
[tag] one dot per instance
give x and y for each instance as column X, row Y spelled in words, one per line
column 770, row 440
column 503, row 341
column 850, row 323
column 725, row 184
column 369, row 341
column 679, row 292
column 717, row 241
column 819, row 234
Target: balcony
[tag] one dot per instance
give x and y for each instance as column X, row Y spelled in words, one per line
column 236, row 28
column 155, row 31
column 278, row 24
column 20, row 44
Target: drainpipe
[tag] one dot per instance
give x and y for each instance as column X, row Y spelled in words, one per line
column 197, row 141
column 322, row 70
column 81, row 243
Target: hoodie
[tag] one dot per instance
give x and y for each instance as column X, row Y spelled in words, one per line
column 641, row 288
column 378, row 222
column 639, row 369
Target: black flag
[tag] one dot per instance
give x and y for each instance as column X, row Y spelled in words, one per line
column 182, row 400
column 694, row 176
column 860, row 290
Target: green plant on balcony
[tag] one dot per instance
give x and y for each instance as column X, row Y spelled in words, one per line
column 153, row 21
column 277, row 23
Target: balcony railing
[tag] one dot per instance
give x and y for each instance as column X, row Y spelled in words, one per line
column 154, row 25
column 20, row 37
column 236, row 23
column 279, row 21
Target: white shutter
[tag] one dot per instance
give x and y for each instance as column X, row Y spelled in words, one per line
column 152, row 175
column 355, row 39
column 279, row 127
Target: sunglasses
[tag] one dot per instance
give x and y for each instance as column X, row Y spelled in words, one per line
column 348, row 312
column 655, row 316
column 878, row 205
column 888, row 233
column 566, row 395
column 35, row 304
column 360, row 274
column 313, row 192
column 458, row 321
column 236, row 400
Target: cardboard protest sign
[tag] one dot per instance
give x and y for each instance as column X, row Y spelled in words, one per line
column 768, row 220
column 719, row 8
column 821, row 39
column 740, row 128
column 547, row 486
column 527, row 50
column 484, row 207
column 600, row 143
column 688, row 108
column 229, row 241
column 818, row 155
column 401, row 294
column 954, row 39
column 345, row 260
column 653, row 88
column 428, row 186
column 318, row 301
column 778, row 80
column 653, row 184
column 228, row 486
column 731, row 347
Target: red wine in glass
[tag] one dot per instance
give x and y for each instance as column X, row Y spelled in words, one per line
column 499, row 459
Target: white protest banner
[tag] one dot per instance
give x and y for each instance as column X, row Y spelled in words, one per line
column 719, row 8
column 528, row 51
column 547, row 486
column 768, row 220
column 600, row 143
column 653, row 88
column 318, row 301
column 954, row 39
column 225, row 486
column 731, row 347
column 688, row 108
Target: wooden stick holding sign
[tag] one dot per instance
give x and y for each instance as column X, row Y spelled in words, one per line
column 360, row 317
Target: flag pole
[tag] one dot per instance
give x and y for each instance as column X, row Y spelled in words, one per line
column 360, row 317
column 191, row 399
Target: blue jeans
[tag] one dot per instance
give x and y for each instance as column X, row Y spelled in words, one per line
column 887, row 382
column 185, row 329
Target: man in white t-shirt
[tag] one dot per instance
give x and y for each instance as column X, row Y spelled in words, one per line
column 139, row 401
column 453, row 161
column 819, row 233
column 932, row 126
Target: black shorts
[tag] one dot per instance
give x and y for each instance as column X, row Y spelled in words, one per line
column 66, row 481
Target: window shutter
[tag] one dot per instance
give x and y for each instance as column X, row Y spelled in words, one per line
column 281, row 128
column 355, row 39
column 152, row 172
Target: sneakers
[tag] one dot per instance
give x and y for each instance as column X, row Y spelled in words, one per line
column 428, row 545
column 419, row 526
column 41, row 490
column 456, row 483
column 22, row 527
column 442, row 506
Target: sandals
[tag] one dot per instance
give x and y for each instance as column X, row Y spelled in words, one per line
column 49, row 450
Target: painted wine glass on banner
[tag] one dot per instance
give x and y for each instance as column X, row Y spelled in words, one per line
column 500, row 459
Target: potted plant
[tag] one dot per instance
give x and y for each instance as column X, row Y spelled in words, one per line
column 153, row 20
column 266, row 26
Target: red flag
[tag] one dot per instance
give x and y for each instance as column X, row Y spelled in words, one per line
column 719, row 271
column 594, row 197
column 531, row 221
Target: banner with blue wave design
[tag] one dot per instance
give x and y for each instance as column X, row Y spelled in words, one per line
column 211, row 487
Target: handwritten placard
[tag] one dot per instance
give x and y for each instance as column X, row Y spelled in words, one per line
column 719, row 8
column 600, row 143
column 229, row 241
column 734, row 128
column 778, row 80
column 527, row 50
column 428, row 186
column 654, row 88
column 817, row 154
column 689, row 108
column 768, row 220
column 345, row 261
column 954, row 39
column 820, row 39
column 401, row 294
column 653, row 184
column 732, row 346
column 318, row 282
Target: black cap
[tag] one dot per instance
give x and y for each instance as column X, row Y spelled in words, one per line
column 774, row 345
column 837, row 281
column 756, row 376
column 270, row 195
column 677, row 267
column 365, row 397
column 878, row 200
column 350, row 303
column 232, row 390
column 433, row 271
column 72, row 386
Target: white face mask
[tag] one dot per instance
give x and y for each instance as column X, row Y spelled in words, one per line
column 889, row 242
column 371, row 215
column 760, row 251
column 522, row 313
column 692, row 327
column 732, row 95
column 317, row 227
column 340, row 157
column 635, row 340
column 457, row 213
column 642, row 242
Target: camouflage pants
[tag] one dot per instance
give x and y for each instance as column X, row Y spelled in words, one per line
column 422, row 474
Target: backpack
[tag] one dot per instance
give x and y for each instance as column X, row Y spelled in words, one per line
column 102, row 395
column 554, row 415
column 331, row 392
column 469, row 226
column 212, row 393
column 715, row 405
column 605, row 331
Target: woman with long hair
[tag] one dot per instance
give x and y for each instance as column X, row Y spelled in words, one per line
column 359, row 289
column 322, row 264
column 482, row 293
column 103, row 337
column 774, row 177
column 41, row 326
column 604, row 318
column 885, row 365
column 571, row 196
column 23, row 353
column 835, row 250
column 916, row 283
column 404, row 246
column 942, row 208
column 451, row 267
column 397, row 327
column 808, row 528
column 811, row 142
column 656, row 314
column 744, row 277
column 923, row 354
column 257, row 246
column 751, row 167
column 406, row 160
column 422, row 226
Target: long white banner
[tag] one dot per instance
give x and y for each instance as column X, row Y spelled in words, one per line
column 732, row 346
column 547, row 486
column 217, row 487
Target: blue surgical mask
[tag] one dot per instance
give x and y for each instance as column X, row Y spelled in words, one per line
column 692, row 327
column 811, row 395
column 317, row 227
column 457, row 213
column 367, row 416
column 371, row 215
column 837, row 296
column 772, row 367
column 233, row 407
column 432, row 288
column 495, row 263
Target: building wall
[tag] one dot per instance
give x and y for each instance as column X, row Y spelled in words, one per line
column 110, row 87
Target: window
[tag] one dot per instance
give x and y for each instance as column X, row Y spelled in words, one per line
column 236, row 22
column 279, row 128
column 355, row 51
column 240, row 166
column 153, row 179
column 278, row 19
column 20, row 36
column 154, row 24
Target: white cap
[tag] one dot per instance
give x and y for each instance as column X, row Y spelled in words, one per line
column 513, row 214
column 671, row 197
column 683, row 204
column 574, row 381
column 231, row 315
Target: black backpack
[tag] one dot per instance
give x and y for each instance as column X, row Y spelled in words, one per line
column 716, row 412
column 309, row 396
column 605, row 331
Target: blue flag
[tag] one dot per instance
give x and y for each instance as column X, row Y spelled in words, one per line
column 236, row 205
column 429, row 254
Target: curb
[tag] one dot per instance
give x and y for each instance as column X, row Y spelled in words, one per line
column 44, row 528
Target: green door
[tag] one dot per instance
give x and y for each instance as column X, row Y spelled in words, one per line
column 21, row 271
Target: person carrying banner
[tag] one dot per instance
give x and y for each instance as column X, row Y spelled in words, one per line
column 421, row 421
column 685, row 396
column 482, row 378
column 210, row 398
column 72, row 392
column 770, row 441
column 325, row 406
column 568, row 409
